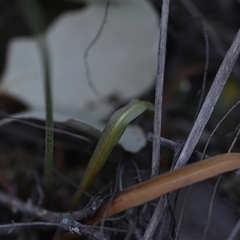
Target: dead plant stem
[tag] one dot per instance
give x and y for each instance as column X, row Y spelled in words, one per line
column 159, row 89
column 210, row 101
column 158, row 116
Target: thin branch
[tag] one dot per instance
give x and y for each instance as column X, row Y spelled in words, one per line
column 207, row 53
column 89, row 47
column 41, row 213
column 210, row 102
column 217, row 126
column 66, row 220
column 215, row 38
column 158, row 116
column 210, row 209
column 157, row 216
column 181, row 213
column 66, row 224
column 171, row 145
column 13, row 227
column 159, row 89
column 27, row 121
column 235, row 231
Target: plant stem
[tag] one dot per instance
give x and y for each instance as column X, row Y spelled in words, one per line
column 154, row 221
column 159, row 89
column 32, row 13
column 48, row 156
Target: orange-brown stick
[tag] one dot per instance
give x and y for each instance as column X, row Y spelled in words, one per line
column 165, row 183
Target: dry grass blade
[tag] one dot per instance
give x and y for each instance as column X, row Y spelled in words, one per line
column 168, row 182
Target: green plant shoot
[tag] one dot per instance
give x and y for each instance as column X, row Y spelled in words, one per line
column 109, row 138
column 32, row 12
